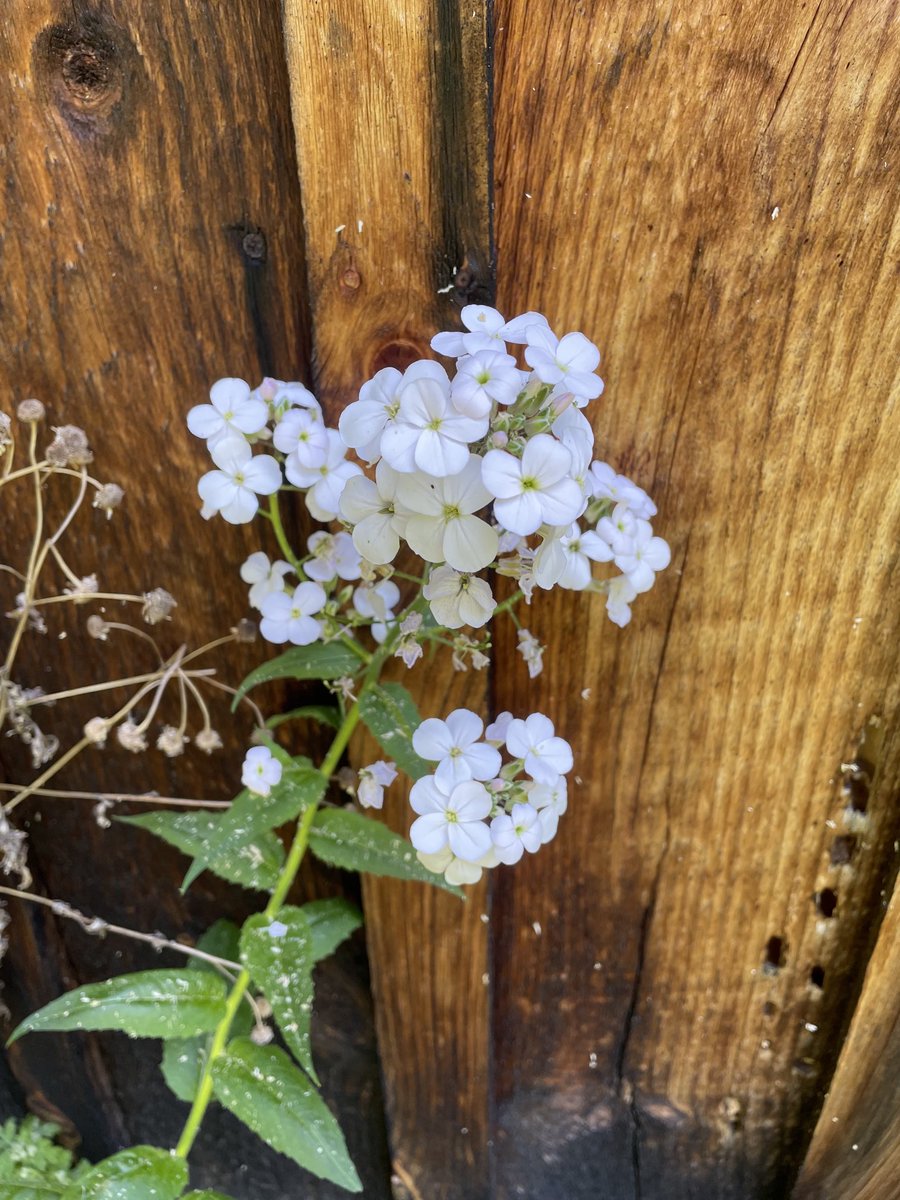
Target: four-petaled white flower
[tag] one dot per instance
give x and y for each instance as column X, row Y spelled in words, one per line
column 458, row 599
column 232, row 490
column 607, row 485
column 569, row 363
column 514, row 833
column 233, row 412
column 429, row 434
column 534, row 490
column 453, row 744
column 453, row 818
column 373, row 779
column 485, row 332
column 332, row 554
column 377, row 603
column 301, row 435
column 551, row 801
column 485, row 378
column 325, row 482
column 644, row 557
column 456, row 870
column 441, row 525
column 620, row 592
column 291, row 618
column 261, row 771
column 372, row 510
column 264, row 577
column 545, row 756
column 362, row 423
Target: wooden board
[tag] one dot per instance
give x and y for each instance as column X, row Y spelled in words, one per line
column 389, row 106
column 710, row 193
column 152, row 241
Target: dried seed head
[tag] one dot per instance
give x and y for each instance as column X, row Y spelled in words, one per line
column 245, row 630
column 97, row 627
column 108, row 497
column 30, row 410
column 130, row 737
column 83, row 590
column 69, row 448
column 157, row 606
column 96, row 730
column 208, row 740
column 171, row 741
column 5, row 426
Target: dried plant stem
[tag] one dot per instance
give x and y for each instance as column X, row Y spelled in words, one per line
column 119, row 797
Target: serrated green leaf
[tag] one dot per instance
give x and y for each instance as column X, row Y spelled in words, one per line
column 390, row 713
column 164, row 1003
column 318, row 661
column 325, row 714
column 347, row 839
column 230, row 844
column 141, row 1173
column 330, row 923
column 183, row 1058
column 278, row 953
column 262, row 1087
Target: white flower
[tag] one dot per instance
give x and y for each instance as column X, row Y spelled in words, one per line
column 363, row 422
column 496, row 733
column 326, row 482
column 377, row 603
column 453, row 744
column 646, row 555
column 301, row 435
column 233, row 488
column 332, row 554
column 233, row 412
column 532, row 651
column 281, row 396
column 373, row 779
column 607, row 485
column 516, row 330
column 551, row 801
column 429, row 434
column 569, row 362
column 546, row 757
column 571, row 564
column 290, row 618
column 620, row 593
column 456, row 870
column 453, row 818
column 482, row 379
column 485, row 326
column 534, row 490
column 441, row 526
column 371, row 510
column 458, row 599
column 619, row 529
column 261, row 770
column 264, row 577
column 514, row 833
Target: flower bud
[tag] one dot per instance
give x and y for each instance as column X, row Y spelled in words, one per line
column 208, row 740
column 109, row 496
column 171, row 741
column 97, row 627
column 157, row 606
column 96, row 730
column 130, row 737
column 69, row 448
column 30, row 410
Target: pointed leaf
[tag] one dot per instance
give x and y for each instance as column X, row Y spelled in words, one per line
column 330, row 923
column 347, row 839
column 391, row 715
column 141, row 1173
column 165, row 1003
column 263, row 1088
column 325, row 714
column 278, row 953
column 228, row 843
column 318, row 661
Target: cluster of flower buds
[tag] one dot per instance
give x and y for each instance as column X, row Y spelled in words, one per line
column 492, row 468
column 476, row 812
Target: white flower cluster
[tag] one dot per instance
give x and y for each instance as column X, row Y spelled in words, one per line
column 491, row 468
column 474, row 812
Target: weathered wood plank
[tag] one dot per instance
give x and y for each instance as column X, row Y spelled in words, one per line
column 855, row 1151
column 707, row 191
column 152, row 241
column 389, row 107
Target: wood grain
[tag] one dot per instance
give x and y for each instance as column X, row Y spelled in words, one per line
column 389, row 104
column 710, row 193
column 151, row 239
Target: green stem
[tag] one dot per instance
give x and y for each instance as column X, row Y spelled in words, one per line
column 283, row 544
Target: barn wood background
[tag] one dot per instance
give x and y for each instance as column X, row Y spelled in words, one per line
column 656, row 1007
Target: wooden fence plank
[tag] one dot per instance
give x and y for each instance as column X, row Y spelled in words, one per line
column 855, row 1151
column 152, row 241
column 389, row 106
column 709, row 192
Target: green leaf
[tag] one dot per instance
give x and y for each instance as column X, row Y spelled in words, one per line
column 230, row 844
column 32, row 1166
column 183, row 1058
column 205, row 1195
column 141, row 1173
column 318, row 661
column 325, row 714
column 166, row 1003
column 347, row 839
column 330, row 923
column 278, row 953
column 391, row 715
column 263, row 1088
